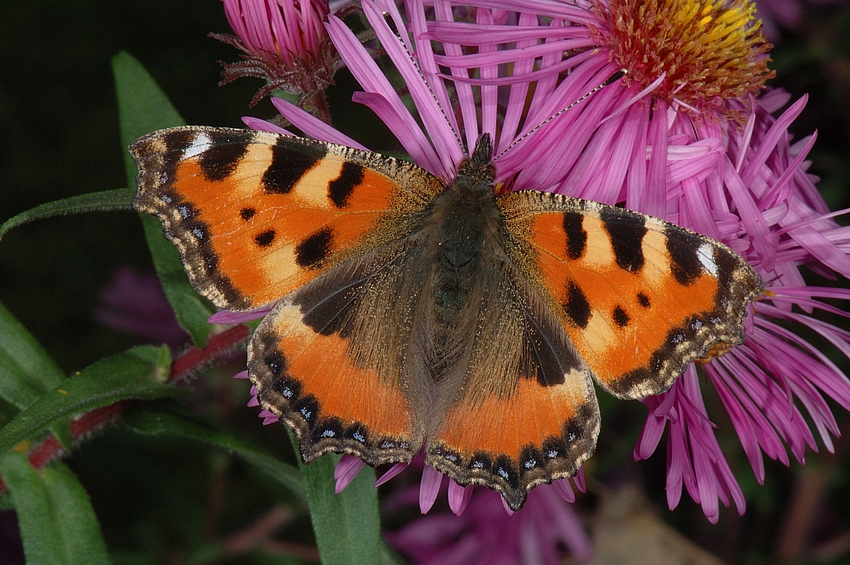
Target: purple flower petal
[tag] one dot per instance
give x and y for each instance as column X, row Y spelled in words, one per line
column 459, row 497
column 391, row 473
column 346, row 470
column 429, row 488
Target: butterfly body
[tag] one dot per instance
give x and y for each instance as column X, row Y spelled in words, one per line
column 416, row 314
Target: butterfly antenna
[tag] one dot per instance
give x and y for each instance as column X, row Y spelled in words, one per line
column 389, row 21
column 612, row 79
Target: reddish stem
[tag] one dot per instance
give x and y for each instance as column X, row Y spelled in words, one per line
column 183, row 365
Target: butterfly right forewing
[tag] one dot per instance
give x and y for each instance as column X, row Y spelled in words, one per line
column 639, row 297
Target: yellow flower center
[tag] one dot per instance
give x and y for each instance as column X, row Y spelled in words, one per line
column 708, row 51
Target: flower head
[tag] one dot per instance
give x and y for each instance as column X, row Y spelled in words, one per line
column 778, row 377
column 708, row 52
column 283, row 42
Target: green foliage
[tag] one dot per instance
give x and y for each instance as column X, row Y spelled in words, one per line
column 107, row 201
column 347, row 525
column 57, row 522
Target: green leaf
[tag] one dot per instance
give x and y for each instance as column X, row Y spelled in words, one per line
column 26, row 371
column 347, row 525
column 107, row 201
column 137, row 373
column 57, row 523
column 168, row 417
column 143, row 108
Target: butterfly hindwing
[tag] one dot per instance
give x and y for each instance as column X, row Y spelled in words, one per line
column 640, row 298
column 343, row 384
column 256, row 215
column 522, row 410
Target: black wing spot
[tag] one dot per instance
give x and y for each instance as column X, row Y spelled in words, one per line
column 554, row 447
column 358, row 432
column 308, row 407
column 626, row 231
column 341, row 187
column 683, row 248
column 643, row 300
column 247, row 213
column 576, row 234
column 576, row 306
column 276, row 363
column 530, row 458
column 264, row 239
column 621, row 318
column 505, row 468
column 288, row 166
column 176, row 141
column 328, row 428
column 480, row 460
column 315, row 248
column 220, row 160
column 574, row 427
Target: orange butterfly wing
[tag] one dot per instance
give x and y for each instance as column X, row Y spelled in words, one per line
column 640, row 298
column 256, row 215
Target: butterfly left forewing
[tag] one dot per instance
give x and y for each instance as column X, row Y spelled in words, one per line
column 639, row 298
column 255, row 215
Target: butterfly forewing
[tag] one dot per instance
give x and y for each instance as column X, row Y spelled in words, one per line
column 639, row 297
column 256, row 215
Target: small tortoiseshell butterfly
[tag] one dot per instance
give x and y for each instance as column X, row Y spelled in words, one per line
column 412, row 313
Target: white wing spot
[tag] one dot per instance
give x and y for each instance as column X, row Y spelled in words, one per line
column 706, row 257
column 201, row 143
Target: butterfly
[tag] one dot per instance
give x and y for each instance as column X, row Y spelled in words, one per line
column 409, row 313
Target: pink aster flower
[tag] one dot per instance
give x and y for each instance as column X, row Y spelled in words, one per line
column 778, row 377
column 283, row 42
column 682, row 136
column 485, row 535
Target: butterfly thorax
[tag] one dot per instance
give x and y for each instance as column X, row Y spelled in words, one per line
column 465, row 218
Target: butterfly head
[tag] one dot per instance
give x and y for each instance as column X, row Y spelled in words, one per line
column 479, row 165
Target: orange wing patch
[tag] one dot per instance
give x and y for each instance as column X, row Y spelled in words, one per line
column 514, row 442
column 640, row 298
column 310, row 381
column 256, row 215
